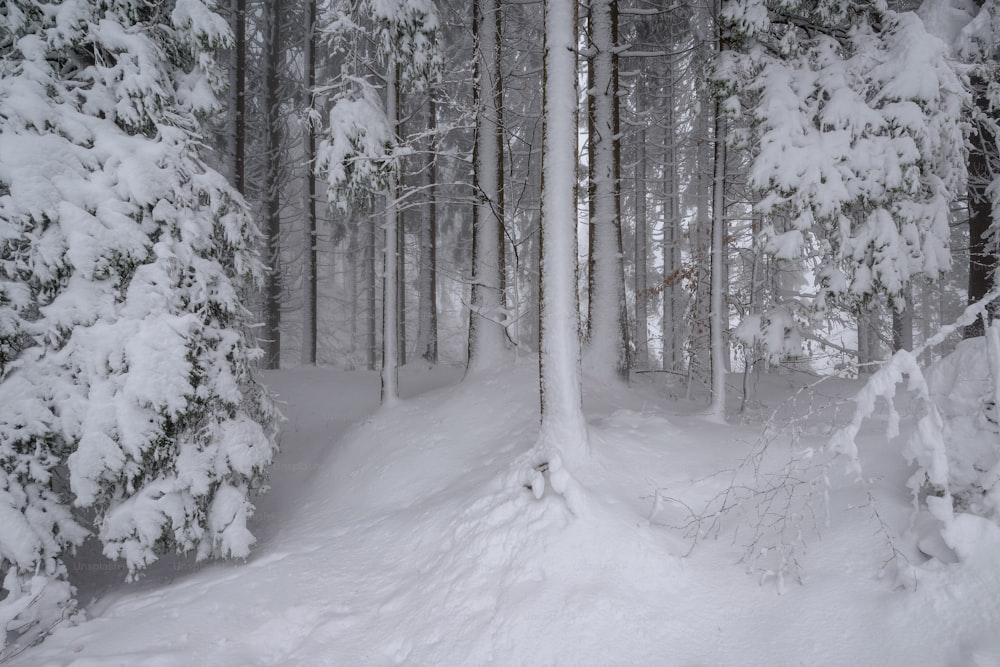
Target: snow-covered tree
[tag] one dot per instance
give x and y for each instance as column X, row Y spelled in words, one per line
column 856, row 140
column 563, row 435
column 124, row 364
column 362, row 154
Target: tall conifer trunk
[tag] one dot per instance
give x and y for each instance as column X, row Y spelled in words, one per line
column 563, row 433
column 607, row 350
column 487, row 347
column 390, row 277
column 427, row 337
column 272, row 193
column 310, row 282
column 982, row 251
column 719, row 314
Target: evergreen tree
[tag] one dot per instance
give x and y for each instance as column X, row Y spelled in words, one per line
column 123, row 259
column 856, row 146
column 979, row 43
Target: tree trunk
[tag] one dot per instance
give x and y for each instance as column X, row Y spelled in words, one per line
column 640, row 251
column 487, row 348
column 563, row 433
column 390, row 278
column 607, row 352
column 700, row 240
column 310, row 283
column 371, row 275
column 671, row 323
column 902, row 323
column 239, row 96
column 355, row 269
column 427, row 343
column 864, row 352
column 719, row 318
column 400, row 242
column 982, row 254
column 272, row 193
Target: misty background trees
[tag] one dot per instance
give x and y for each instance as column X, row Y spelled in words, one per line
column 755, row 186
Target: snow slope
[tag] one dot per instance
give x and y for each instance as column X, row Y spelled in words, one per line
column 402, row 536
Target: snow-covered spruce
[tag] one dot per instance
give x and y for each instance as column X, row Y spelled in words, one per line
column 856, row 141
column 360, row 155
column 123, row 360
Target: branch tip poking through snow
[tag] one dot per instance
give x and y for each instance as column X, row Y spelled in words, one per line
column 543, row 467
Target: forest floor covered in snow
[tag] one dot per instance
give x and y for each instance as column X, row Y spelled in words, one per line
column 403, row 535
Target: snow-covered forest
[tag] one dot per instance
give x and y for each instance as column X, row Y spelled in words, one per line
column 342, row 332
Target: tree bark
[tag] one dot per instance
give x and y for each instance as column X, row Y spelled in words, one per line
column 239, row 94
column 400, row 240
column 371, row 274
column 390, row 284
column 427, row 337
column 671, row 323
column 902, row 323
column 563, row 431
column 607, row 350
column 310, row 325
column 487, row 347
column 272, row 348
column 982, row 253
column 640, row 252
column 719, row 317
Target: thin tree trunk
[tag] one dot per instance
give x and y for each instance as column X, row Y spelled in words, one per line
column 754, row 307
column 670, row 324
column 272, row 349
column 926, row 320
column 641, row 288
column 400, row 245
column 310, row 327
column 487, row 347
column 625, row 354
column 563, row 433
column 700, row 343
column 427, row 278
column 902, row 323
column 371, row 328
column 239, row 95
column 607, row 351
column 355, row 268
column 982, row 255
column 864, row 354
column 390, row 284
column 499, row 130
column 719, row 318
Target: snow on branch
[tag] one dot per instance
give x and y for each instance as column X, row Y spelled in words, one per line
column 859, row 143
column 358, row 157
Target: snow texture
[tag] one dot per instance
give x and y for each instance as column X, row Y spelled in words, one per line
column 394, row 537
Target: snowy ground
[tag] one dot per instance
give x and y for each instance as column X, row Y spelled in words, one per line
column 401, row 536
